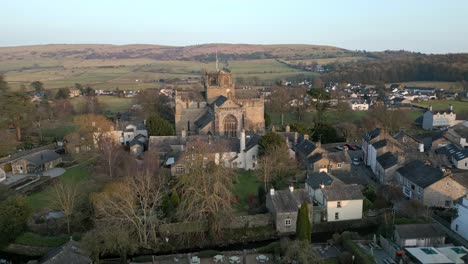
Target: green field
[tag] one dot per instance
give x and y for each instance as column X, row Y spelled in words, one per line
column 108, row 103
column 130, row 73
column 41, row 200
column 458, row 106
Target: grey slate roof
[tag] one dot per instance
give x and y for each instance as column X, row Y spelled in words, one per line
column 461, row 178
column 314, row 158
column 69, row 253
column 306, row 147
column 204, row 120
column 340, row 192
column 42, row 157
column 380, row 144
column 460, row 155
column 285, row 201
column 411, row 231
column 387, row 160
column 252, row 142
column 420, row 174
column 219, row 101
column 372, row 134
column 315, row 179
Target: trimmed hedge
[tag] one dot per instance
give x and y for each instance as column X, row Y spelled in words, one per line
column 361, row 256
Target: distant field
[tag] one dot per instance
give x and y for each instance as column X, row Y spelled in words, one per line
column 328, row 60
column 442, row 85
column 458, row 106
column 130, row 73
column 108, row 103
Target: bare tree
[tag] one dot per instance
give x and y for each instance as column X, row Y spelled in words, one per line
column 300, row 252
column 110, row 153
column 206, row 188
column 133, row 201
column 64, row 196
column 276, row 164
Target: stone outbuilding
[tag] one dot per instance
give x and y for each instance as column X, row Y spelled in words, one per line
column 36, row 163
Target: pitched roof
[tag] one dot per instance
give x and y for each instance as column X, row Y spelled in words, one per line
column 252, row 142
column 315, row 179
column 314, row 158
column 420, row 174
column 387, row 160
column 219, row 101
column 380, row 144
column 191, row 96
column 340, row 192
column 247, row 94
column 69, row 253
column 461, row 178
column 285, row 201
column 418, row 230
column 339, row 157
column 461, row 154
column 306, row 147
column 42, row 157
column 371, row 134
column 204, row 120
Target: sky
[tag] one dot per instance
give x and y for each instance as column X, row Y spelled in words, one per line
column 428, row 26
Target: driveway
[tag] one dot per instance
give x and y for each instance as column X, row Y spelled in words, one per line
column 55, row 172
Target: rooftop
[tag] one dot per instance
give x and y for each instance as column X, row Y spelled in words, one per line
column 420, row 174
column 411, row 231
column 285, row 201
column 340, row 192
column 42, row 157
column 387, row 160
column 380, row 144
column 428, row 255
column 315, row 179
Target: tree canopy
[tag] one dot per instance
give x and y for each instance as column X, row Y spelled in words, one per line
column 303, row 228
column 14, row 216
column 270, row 140
column 157, row 126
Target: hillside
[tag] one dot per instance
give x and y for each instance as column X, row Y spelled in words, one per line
column 158, row 52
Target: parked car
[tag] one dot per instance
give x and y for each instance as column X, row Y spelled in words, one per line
column 350, row 147
column 356, row 161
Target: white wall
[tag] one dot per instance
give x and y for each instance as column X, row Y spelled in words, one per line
column 461, row 164
column 461, row 222
column 372, row 157
column 349, row 210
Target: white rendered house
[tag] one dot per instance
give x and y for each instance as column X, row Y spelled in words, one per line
column 460, row 224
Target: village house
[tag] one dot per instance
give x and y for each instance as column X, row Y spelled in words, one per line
column 460, row 223
column 458, row 134
column 342, row 202
column 457, row 157
column 330, row 161
column 367, row 140
column 124, row 136
column 437, row 119
column 240, row 153
column 359, row 106
column 36, row 163
column 284, row 206
column 70, row 252
column 429, row 185
column 305, row 149
column 419, row 235
column 317, row 180
column 385, row 167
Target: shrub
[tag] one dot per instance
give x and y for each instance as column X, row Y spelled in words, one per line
column 271, row 248
column 360, row 255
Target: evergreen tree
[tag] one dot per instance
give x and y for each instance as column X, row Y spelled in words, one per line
column 303, row 227
column 157, row 126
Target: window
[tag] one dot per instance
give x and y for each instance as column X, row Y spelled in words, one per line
column 254, row 157
column 339, row 165
column 338, row 204
column 413, row 187
column 186, row 104
column 180, row 170
column 337, row 216
column 287, row 222
column 448, row 203
column 230, row 126
column 253, row 165
column 198, row 104
column 456, row 227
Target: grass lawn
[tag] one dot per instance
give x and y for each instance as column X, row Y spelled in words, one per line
column 246, row 185
column 108, row 103
column 59, row 130
column 36, row 240
column 40, row 200
column 458, row 106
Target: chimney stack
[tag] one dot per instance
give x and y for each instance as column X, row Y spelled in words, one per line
column 451, row 107
column 430, row 108
column 272, row 191
column 306, row 136
column 242, row 140
column 291, row 188
column 184, row 133
column 288, row 128
column 296, row 137
column 273, row 128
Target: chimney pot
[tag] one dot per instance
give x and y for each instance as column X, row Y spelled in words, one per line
column 288, row 128
column 291, row 188
column 306, row 136
column 272, row 191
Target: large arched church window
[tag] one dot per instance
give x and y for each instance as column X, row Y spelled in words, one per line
column 230, row 126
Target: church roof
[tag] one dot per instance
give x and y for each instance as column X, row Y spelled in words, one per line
column 219, row 101
column 191, row 96
column 204, row 120
column 247, row 94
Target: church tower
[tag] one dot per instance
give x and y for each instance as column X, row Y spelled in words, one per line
column 218, row 83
